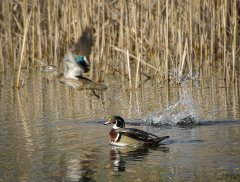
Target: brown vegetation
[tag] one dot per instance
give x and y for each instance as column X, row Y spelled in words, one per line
column 157, row 38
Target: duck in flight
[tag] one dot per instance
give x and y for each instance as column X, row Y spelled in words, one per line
column 76, row 62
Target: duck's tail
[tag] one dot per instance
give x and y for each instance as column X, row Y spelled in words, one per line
column 154, row 142
column 159, row 139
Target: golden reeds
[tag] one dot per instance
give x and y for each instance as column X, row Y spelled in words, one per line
column 1, row 57
column 23, row 49
column 186, row 36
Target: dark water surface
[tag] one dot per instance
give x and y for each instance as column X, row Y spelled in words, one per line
column 52, row 133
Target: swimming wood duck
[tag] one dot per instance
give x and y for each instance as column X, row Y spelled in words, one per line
column 121, row 136
column 76, row 60
column 78, row 83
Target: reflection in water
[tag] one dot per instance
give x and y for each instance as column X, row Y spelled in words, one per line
column 79, row 170
column 26, row 130
column 119, row 156
column 45, row 136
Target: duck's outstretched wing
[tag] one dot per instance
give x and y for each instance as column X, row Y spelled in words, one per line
column 84, row 44
column 89, row 84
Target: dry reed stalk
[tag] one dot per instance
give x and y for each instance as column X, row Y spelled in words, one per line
column 23, row 49
column 166, row 41
column 33, row 40
column 14, row 59
column 179, row 48
column 39, row 32
column 127, row 37
column 201, row 53
column 213, row 32
column 102, row 53
column 97, row 75
column 224, row 35
column 7, row 10
column 50, row 16
column 129, row 70
column 183, row 58
column 1, row 57
column 120, row 43
column 130, row 55
column 103, row 33
column 85, row 9
column 80, row 15
column 73, row 20
column 141, row 32
column 234, row 33
column 56, row 42
column 227, row 69
column 135, row 31
column 190, row 51
column 137, row 71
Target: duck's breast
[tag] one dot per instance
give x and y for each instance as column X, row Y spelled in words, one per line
column 113, row 135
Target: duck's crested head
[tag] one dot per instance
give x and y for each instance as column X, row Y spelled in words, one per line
column 117, row 121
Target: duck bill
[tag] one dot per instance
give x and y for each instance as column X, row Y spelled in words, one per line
column 107, row 122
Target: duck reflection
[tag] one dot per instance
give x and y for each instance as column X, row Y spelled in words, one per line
column 119, row 156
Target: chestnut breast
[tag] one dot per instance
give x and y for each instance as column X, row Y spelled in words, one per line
column 113, row 135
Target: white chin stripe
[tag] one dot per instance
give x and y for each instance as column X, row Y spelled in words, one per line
column 115, row 127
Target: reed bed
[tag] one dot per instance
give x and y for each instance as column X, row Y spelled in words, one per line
column 161, row 39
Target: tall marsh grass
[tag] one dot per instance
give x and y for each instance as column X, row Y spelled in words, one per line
column 136, row 38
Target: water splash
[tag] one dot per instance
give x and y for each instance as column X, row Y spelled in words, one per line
column 184, row 112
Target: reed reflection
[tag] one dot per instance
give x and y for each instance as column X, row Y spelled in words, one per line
column 80, row 170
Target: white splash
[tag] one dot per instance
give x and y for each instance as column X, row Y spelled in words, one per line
column 183, row 112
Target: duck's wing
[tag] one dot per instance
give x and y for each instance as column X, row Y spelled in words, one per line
column 134, row 133
column 89, row 84
column 75, row 84
column 84, row 44
column 84, row 78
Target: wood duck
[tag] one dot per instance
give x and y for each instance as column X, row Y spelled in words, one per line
column 121, row 136
column 76, row 60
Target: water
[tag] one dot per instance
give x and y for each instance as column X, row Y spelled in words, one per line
column 52, row 133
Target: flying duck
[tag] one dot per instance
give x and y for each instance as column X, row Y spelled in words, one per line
column 121, row 136
column 75, row 64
